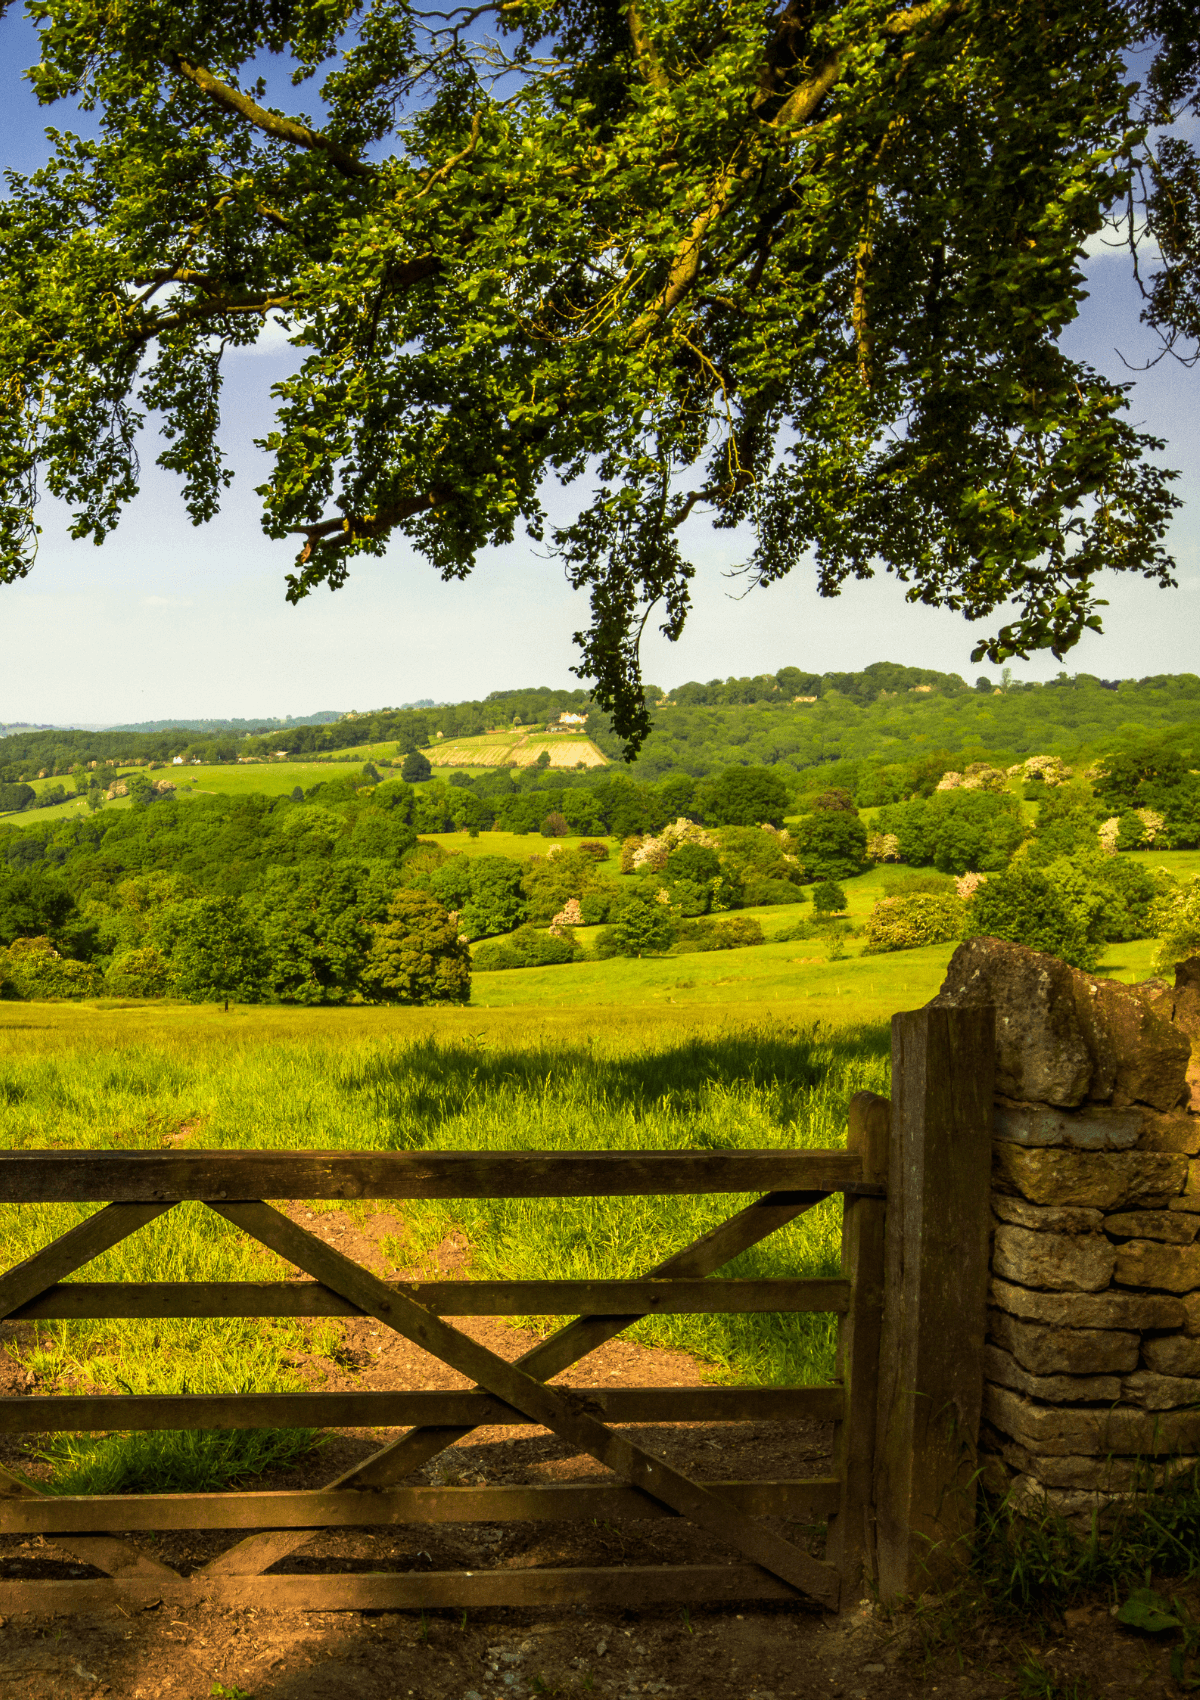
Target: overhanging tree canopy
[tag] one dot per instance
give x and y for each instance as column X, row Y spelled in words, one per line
column 802, row 267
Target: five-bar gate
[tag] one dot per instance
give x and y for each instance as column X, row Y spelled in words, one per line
column 873, row 1505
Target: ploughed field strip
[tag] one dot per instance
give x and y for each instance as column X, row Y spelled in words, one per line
column 734, row 1537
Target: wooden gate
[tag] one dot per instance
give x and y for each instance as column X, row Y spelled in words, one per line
column 134, row 1188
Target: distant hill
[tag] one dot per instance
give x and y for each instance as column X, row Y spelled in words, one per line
column 268, row 724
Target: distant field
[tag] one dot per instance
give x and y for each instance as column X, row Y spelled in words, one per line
column 519, row 845
column 516, row 749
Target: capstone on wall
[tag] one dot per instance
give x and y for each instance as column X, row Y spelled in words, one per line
column 1092, row 1360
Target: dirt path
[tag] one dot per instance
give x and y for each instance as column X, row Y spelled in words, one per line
column 772, row 1653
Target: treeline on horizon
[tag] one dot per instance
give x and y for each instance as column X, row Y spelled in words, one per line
column 701, row 729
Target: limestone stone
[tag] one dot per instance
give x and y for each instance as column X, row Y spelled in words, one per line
column 1167, row 1268
column 1154, row 1392
column 1002, row 1368
column 1127, row 1311
column 1041, row 1053
column 1046, row 1218
column 1055, row 1431
column 1103, row 1475
column 1172, row 1354
column 1189, row 1204
column 1138, row 1057
column 1094, row 1128
column 1047, row 1351
column 1074, row 1263
column 1106, row 1180
column 1169, row 1225
column 1178, row 1130
column 1028, row 1496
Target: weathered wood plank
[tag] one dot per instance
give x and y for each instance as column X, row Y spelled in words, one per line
column 114, row 1557
column 29, row 1177
column 550, row 1357
column 63, row 1256
column 77, row 1299
column 46, row 1514
column 851, row 1544
column 561, row 1412
column 473, row 1590
column 38, row 1414
column 931, row 1353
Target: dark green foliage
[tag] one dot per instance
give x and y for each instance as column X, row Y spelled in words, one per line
column 416, row 956
column 495, row 901
column 415, row 768
column 1068, row 817
column 141, row 973
column 15, row 797
column 690, row 897
column 760, row 892
column 828, row 898
column 529, row 947
column 218, row 954
column 957, row 831
column 831, row 844
column 33, row 968
column 33, row 904
column 554, row 825
column 1023, row 906
column 595, row 907
column 693, row 862
column 744, row 796
column 317, row 929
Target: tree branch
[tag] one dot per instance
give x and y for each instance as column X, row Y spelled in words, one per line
column 283, row 129
column 649, row 62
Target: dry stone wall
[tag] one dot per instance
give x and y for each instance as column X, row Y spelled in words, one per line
column 1092, row 1359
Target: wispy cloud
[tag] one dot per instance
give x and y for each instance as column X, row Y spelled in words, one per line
column 167, row 602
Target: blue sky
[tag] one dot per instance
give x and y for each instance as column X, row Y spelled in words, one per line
column 169, row 620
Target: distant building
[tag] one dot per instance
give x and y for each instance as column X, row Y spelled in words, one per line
column 572, row 720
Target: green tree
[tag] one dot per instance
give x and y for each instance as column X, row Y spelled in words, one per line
column 831, row 844
column 1025, row 906
column 32, row 904
column 828, row 898
column 218, row 954
column 415, row 768
column 417, row 956
column 815, row 266
column 140, row 973
column 642, row 924
column 744, row 796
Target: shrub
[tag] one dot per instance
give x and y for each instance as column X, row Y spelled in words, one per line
column 908, row 884
column 758, row 893
column 906, row 923
column 828, row 898
column 595, row 849
column 141, row 973
column 496, row 955
column 415, row 768
column 555, row 825
column 417, row 955
column 738, row 931
column 744, row 796
column 642, row 925
column 1176, row 920
column 218, row 953
column 690, row 897
column 32, row 968
column 1023, row 906
column 594, row 908
column 695, row 862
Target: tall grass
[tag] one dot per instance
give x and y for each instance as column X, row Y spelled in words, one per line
column 768, row 1086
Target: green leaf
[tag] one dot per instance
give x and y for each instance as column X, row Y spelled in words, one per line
column 1148, row 1611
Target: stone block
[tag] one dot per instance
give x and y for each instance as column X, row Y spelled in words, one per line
column 1138, row 1057
column 1093, row 1128
column 1127, row 1311
column 1041, row 1053
column 1002, row 1368
column 1178, row 1130
column 1187, row 1205
column 1105, row 1180
column 1047, row 1218
column 1125, row 1430
column 1073, row 1263
column 1171, row 1226
column 1154, row 1392
column 1102, row 1475
column 1048, row 1351
column 1165, row 1268
column 1191, row 1313
column 1172, row 1354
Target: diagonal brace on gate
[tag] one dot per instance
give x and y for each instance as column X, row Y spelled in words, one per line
column 522, row 1386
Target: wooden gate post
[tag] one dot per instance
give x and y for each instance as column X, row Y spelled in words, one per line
column 851, row 1544
column 935, row 1294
